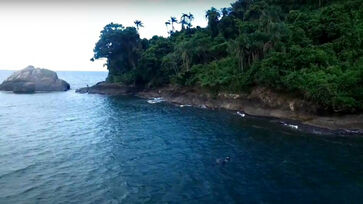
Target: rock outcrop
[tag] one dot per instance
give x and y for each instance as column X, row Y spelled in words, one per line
column 32, row 79
column 108, row 89
column 259, row 102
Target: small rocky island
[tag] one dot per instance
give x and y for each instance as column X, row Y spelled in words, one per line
column 31, row 79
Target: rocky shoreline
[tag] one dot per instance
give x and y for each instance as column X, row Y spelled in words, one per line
column 260, row 102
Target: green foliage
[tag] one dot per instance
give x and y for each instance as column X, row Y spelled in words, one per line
column 125, row 78
column 121, row 46
column 220, row 75
column 213, row 18
column 311, row 48
column 149, row 71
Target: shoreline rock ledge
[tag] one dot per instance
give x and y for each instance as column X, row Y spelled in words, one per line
column 31, row 79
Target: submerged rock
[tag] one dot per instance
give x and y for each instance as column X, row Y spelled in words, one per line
column 33, row 79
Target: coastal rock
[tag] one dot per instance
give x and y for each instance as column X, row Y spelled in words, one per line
column 108, row 89
column 260, row 102
column 33, row 79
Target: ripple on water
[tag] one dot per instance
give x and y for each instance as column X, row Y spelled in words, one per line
column 73, row 148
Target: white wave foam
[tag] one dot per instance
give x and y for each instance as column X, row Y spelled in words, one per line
column 241, row 114
column 182, row 106
column 291, row 125
column 155, row 100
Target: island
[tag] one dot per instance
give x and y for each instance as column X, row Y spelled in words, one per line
column 300, row 60
column 31, row 79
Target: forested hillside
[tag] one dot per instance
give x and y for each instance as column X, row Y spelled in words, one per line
column 309, row 48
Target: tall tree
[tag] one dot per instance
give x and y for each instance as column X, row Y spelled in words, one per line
column 173, row 20
column 167, row 24
column 213, row 17
column 120, row 46
column 225, row 11
column 183, row 20
column 190, row 19
column 138, row 24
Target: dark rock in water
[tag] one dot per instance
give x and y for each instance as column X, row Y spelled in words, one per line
column 30, row 80
column 108, row 89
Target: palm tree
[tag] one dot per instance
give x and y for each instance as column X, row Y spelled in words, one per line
column 167, row 23
column 138, row 24
column 212, row 14
column 191, row 18
column 183, row 20
column 238, row 47
column 213, row 17
column 173, row 20
column 225, row 11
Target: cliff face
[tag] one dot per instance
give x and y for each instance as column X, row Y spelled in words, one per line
column 32, row 79
column 259, row 102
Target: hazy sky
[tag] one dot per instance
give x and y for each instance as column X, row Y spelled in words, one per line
column 61, row 35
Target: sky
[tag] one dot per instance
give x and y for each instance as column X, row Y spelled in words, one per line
column 60, row 35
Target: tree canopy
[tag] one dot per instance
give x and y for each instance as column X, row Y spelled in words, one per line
column 308, row 48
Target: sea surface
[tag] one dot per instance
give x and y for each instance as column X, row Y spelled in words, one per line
column 76, row 148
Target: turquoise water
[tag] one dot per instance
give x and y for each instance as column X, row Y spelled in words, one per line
column 73, row 148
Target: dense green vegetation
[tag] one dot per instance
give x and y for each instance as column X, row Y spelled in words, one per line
column 309, row 48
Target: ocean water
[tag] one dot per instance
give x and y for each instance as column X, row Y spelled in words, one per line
column 77, row 148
